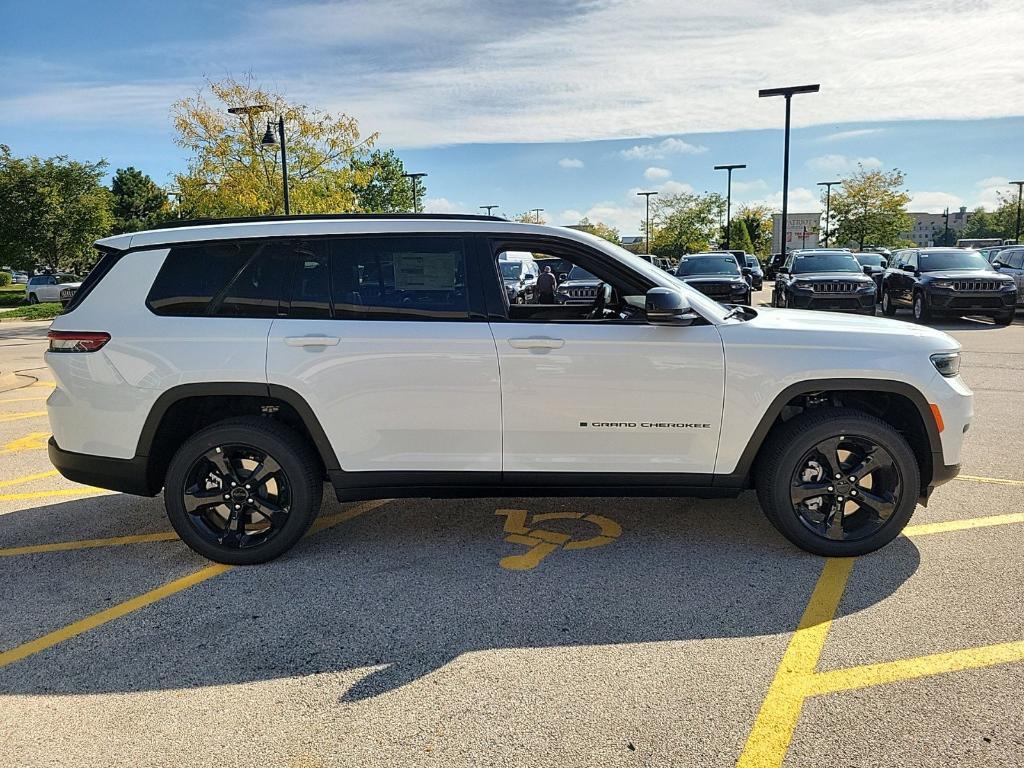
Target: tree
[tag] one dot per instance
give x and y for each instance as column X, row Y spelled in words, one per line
column 53, row 210
column 685, row 223
column 758, row 221
column 529, row 217
column 230, row 173
column 1001, row 223
column 598, row 228
column 739, row 237
column 138, row 203
column 378, row 184
column 870, row 208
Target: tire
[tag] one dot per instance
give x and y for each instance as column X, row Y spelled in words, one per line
column 920, row 309
column 296, row 492
column 33, row 299
column 1004, row 319
column 783, row 457
column 888, row 308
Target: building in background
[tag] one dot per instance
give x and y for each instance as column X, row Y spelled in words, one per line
column 632, row 244
column 928, row 227
column 801, row 232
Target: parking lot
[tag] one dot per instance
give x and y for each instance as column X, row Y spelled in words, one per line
column 526, row 632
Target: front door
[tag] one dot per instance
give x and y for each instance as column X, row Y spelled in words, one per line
column 383, row 343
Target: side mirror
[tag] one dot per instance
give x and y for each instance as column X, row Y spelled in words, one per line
column 563, row 276
column 782, row 270
column 998, row 264
column 667, row 307
column 746, row 271
column 885, row 263
column 908, row 268
column 867, row 270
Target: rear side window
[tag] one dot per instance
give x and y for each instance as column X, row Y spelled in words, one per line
column 256, row 289
column 399, row 278
column 103, row 266
column 192, row 276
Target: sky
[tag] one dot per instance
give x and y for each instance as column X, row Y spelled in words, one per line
column 567, row 105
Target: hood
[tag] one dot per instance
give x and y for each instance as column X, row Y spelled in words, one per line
column 69, row 285
column 965, row 274
column 578, row 284
column 698, row 279
column 823, row 277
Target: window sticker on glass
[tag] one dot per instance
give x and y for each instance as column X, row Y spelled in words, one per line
column 425, row 271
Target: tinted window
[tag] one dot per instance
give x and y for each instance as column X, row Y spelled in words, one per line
column 939, row 260
column 870, row 259
column 256, row 290
column 191, row 276
column 399, row 278
column 1015, row 260
column 311, row 280
column 707, row 265
column 579, row 273
column 824, row 262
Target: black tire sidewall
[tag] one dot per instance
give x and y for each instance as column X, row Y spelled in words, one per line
column 297, row 463
column 775, row 491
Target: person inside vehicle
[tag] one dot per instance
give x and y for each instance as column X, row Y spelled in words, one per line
column 547, row 284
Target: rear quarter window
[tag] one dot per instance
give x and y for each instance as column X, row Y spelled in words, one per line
column 193, row 276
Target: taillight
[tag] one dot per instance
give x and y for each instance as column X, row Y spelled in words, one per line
column 77, row 341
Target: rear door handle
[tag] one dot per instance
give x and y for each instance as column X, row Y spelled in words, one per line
column 537, row 342
column 312, row 341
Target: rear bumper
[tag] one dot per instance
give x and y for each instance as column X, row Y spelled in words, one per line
column 124, row 475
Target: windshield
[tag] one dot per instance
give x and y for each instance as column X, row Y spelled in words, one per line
column 752, row 262
column 707, row 265
column 66, row 278
column 510, row 269
column 870, row 259
column 940, row 260
column 578, row 273
column 825, row 262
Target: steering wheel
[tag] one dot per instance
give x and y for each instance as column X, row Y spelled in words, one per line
column 602, row 299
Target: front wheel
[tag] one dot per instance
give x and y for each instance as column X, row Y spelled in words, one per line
column 921, row 312
column 888, row 308
column 243, row 491
column 838, row 482
column 1004, row 319
column 33, row 299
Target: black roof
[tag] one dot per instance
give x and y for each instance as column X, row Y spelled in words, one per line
column 327, row 217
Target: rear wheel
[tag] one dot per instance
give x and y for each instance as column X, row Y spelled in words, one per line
column 33, row 299
column 838, row 482
column 243, row 491
column 888, row 308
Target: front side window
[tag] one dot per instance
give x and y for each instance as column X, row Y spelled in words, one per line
column 1016, row 260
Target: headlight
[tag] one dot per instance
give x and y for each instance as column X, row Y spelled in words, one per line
column 947, row 363
column 867, row 287
column 805, row 284
column 942, row 283
column 1007, row 284
column 739, row 287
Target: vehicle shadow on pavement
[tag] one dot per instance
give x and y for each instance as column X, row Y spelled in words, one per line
column 397, row 593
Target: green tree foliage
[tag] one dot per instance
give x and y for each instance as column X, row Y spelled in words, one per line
column 230, row 173
column 5, row 278
column 739, row 237
column 529, row 217
column 51, row 211
column 758, row 221
column 138, row 203
column 685, row 223
column 379, row 186
column 1002, row 222
column 598, row 228
column 870, row 208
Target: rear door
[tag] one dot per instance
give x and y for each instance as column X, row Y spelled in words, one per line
column 385, row 341
column 1014, row 260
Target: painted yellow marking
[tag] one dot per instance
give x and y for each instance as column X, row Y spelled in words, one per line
column 154, row 595
column 85, row 490
column 27, row 478
column 31, row 441
column 775, row 723
column 543, row 542
column 44, row 384
column 66, row 546
column 4, row 417
column 24, row 399
column 963, row 525
column 993, row 480
column 910, row 669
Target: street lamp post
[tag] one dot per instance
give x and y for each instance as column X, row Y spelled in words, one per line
column 728, row 200
column 537, row 212
column 269, row 140
column 647, row 221
column 1020, row 188
column 788, row 93
column 488, row 208
column 414, row 178
column 828, row 205
column 945, row 232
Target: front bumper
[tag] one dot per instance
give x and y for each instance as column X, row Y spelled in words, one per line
column 833, row 302
column 124, row 475
column 970, row 302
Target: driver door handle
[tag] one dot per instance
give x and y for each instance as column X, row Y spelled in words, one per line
column 312, row 341
column 537, row 342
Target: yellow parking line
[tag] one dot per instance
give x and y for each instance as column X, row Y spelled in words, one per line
column 910, row 669
column 27, row 478
column 993, row 480
column 148, row 598
column 31, row 441
column 24, row 399
column 65, row 546
column 773, row 729
column 4, row 417
column 963, row 525
column 83, row 491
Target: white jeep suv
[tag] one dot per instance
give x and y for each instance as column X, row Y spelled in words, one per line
column 239, row 365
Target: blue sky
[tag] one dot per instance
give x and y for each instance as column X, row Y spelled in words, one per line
column 567, row 105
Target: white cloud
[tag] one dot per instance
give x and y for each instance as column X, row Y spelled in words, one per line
column 662, row 149
column 444, row 205
column 657, row 174
column 841, row 163
column 933, row 202
column 991, row 192
column 570, row 162
column 854, row 134
column 801, row 200
column 755, row 188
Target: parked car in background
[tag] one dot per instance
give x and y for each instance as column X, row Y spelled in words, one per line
column 947, row 281
column 993, row 252
column 824, row 280
column 756, row 273
column 1010, row 261
column 771, row 266
column 560, row 267
column 52, row 288
column 579, row 287
column 520, row 282
column 20, row 278
column 874, row 265
column 715, row 274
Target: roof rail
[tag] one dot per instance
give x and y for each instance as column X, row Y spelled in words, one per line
column 325, row 217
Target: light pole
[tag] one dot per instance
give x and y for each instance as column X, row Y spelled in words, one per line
column 537, row 212
column 728, row 199
column 269, row 140
column 1020, row 188
column 828, row 204
column 788, row 93
column 489, row 208
column 647, row 220
column 414, row 178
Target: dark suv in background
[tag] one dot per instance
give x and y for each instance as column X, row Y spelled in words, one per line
column 874, row 265
column 716, row 275
column 947, row 281
column 824, row 280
